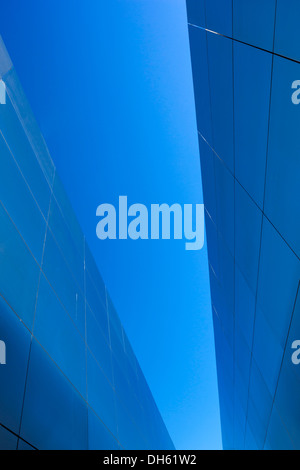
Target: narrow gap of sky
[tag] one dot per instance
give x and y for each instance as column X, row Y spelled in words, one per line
column 110, row 84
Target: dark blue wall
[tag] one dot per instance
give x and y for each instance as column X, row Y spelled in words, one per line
column 245, row 56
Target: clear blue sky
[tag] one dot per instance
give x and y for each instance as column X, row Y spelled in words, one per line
column 111, row 87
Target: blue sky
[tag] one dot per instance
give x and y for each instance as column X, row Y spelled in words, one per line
column 111, row 87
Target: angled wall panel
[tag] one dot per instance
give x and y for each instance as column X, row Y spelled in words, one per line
column 71, row 379
column 248, row 124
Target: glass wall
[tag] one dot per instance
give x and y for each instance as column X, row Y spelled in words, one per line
column 246, row 69
column 71, row 379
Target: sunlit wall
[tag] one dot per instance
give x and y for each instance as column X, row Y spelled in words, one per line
column 71, row 379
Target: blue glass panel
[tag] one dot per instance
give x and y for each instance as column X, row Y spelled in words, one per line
column 56, row 332
column 19, row 272
column 267, row 351
column 132, row 359
column 221, row 85
column 261, row 399
column 224, row 355
column 20, row 204
column 98, row 344
column 252, row 79
column 17, row 141
column 126, row 394
column 8, row 441
column 277, row 437
column 119, row 352
column 64, row 239
column 239, row 438
column 226, row 274
column 244, row 306
column 69, row 215
column 222, row 307
column 227, row 417
column 287, row 29
column 149, row 406
column 97, row 306
column 279, row 275
column 253, row 22
column 95, row 275
column 227, row 436
column 22, row 445
column 225, row 203
column 219, row 16
column 54, row 415
column 101, row 395
column 60, row 277
column 241, row 390
column 212, row 247
column 254, row 259
column 196, row 12
column 242, row 354
column 255, row 429
column 198, row 44
column 287, row 399
column 130, row 437
column 5, row 62
column 248, row 221
column 67, row 306
column 208, row 179
column 282, row 206
column 250, row 441
column 115, row 325
column 12, row 374
column 29, row 125
column 100, row 438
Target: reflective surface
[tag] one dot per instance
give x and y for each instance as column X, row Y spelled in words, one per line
column 71, row 379
column 248, row 127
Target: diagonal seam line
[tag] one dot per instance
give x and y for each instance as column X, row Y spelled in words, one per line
column 21, row 173
column 30, row 138
column 17, row 435
column 245, row 43
column 282, row 361
column 41, row 212
column 36, row 202
column 262, row 223
column 36, row 300
column 249, row 195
